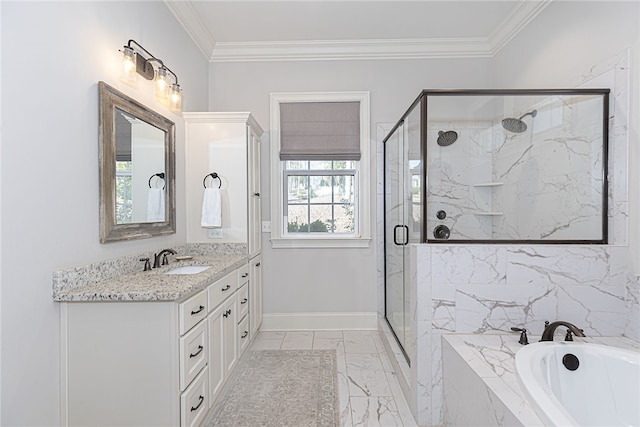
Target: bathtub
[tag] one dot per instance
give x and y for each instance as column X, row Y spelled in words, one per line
column 581, row 384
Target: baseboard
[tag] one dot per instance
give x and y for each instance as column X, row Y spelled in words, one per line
column 318, row 321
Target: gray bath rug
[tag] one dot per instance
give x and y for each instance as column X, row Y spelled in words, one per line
column 297, row 388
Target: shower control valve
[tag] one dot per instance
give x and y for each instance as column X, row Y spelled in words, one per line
column 441, row 232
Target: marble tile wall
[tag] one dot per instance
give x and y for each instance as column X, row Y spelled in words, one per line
column 475, row 289
column 453, row 171
column 551, row 174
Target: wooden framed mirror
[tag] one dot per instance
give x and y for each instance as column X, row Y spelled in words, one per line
column 137, row 169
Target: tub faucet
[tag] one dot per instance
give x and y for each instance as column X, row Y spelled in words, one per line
column 163, row 253
column 547, row 335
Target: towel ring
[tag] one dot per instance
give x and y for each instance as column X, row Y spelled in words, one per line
column 159, row 175
column 213, row 176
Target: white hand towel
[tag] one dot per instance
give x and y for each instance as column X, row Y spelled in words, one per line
column 211, row 208
column 155, row 205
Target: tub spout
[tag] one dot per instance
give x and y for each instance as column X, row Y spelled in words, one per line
column 547, row 335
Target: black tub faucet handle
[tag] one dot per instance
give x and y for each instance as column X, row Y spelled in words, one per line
column 523, row 335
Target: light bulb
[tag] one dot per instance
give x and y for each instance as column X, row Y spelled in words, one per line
column 175, row 98
column 162, row 85
column 128, row 74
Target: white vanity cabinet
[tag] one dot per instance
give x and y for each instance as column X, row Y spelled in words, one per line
column 228, row 328
column 152, row 363
column 227, row 144
column 135, row 363
column 255, row 295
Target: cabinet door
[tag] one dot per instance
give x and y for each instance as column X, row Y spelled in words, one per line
column 216, row 352
column 255, row 216
column 230, row 335
column 255, row 294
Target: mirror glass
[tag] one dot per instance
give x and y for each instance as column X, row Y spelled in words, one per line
column 136, row 169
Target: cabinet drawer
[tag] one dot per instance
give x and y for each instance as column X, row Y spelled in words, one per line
column 243, row 335
column 222, row 289
column 243, row 301
column 243, row 275
column 194, row 353
column 192, row 311
column 193, row 402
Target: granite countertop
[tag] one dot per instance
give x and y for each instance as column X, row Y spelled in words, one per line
column 154, row 285
column 492, row 358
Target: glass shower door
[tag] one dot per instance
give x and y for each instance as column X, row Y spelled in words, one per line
column 403, row 180
column 395, row 233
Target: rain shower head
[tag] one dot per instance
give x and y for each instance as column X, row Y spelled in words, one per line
column 517, row 125
column 447, row 138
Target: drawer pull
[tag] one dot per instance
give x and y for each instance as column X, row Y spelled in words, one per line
column 226, row 288
column 200, row 348
column 244, row 335
column 198, row 405
column 257, row 264
column 198, row 311
column 227, row 313
column 244, row 301
column 245, row 275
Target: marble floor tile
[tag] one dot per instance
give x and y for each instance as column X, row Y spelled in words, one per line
column 268, row 341
column 328, row 344
column 368, row 392
column 328, row 334
column 376, row 411
column 271, row 334
column 359, row 342
column 266, row 344
column 297, row 340
column 366, row 375
column 403, row 407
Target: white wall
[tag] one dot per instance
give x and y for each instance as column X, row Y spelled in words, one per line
column 331, row 280
column 53, row 55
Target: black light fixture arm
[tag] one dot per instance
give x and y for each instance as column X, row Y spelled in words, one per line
column 143, row 65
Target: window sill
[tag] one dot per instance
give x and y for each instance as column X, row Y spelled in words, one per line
column 320, row 243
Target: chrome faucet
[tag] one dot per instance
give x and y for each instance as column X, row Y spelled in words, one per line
column 547, row 335
column 163, row 253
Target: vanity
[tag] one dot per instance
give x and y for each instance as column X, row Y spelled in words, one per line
column 152, row 348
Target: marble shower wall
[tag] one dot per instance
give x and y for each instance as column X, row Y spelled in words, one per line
column 544, row 183
column 551, row 174
column 455, row 175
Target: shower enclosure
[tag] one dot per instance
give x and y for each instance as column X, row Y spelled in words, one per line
column 492, row 166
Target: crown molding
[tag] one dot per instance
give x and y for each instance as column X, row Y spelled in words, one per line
column 187, row 16
column 514, row 23
column 480, row 47
column 350, row 49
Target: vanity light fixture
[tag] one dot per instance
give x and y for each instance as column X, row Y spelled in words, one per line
column 138, row 60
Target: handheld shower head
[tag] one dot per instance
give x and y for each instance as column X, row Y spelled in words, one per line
column 517, row 125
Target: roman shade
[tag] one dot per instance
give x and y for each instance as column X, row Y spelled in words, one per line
column 320, row 131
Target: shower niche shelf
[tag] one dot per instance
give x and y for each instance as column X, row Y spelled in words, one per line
column 488, row 184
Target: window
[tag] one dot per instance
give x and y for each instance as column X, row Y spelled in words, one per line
column 320, row 169
column 320, row 196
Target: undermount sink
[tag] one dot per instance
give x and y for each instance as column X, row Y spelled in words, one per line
column 188, row 269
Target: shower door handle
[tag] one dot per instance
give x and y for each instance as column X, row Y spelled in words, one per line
column 395, row 235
